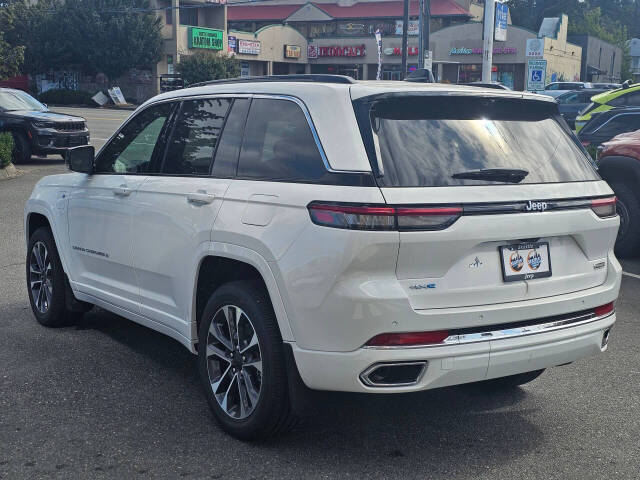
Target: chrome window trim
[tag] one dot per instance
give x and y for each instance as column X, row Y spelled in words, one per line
column 490, row 335
column 290, row 98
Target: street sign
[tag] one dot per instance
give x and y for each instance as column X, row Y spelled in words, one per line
column 536, row 75
column 502, row 16
column 428, row 60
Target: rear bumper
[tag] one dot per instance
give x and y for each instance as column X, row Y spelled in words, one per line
column 448, row 365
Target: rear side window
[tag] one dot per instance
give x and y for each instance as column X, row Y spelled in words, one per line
column 195, row 136
column 278, row 144
column 432, row 142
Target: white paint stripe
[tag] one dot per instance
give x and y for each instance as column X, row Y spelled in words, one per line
column 632, row 275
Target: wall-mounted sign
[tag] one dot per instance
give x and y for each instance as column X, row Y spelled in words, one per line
column 292, row 51
column 352, row 28
column 205, row 38
column 249, row 47
column 502, row 16
column 397, row 51
column 414, row 27
column 340, row 51
column 478, row 51
column 232, row 42
column 535, row 47
column 312, row 51
column 536, row 75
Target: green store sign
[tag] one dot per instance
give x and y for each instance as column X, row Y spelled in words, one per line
column 205, row 38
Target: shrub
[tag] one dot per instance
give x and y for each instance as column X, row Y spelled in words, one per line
column 203, row 66
column 66, row 97
column 6, row 147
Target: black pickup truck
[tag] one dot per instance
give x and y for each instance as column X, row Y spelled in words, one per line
column 35, row 129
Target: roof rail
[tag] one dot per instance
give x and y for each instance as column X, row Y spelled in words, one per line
column 311, row 77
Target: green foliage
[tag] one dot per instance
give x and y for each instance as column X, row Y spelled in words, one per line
column 6, row 147
column 203, row 66
column 11, row 55
column 66, row 97
column 108, row 36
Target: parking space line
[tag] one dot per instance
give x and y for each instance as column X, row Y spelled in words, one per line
column 632, row 275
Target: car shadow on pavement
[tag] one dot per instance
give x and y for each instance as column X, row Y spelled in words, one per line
column 443, row 430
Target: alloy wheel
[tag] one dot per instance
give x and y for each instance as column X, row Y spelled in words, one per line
column 234, row 362
column 40, row 277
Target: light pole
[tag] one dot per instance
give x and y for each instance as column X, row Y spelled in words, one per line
column 487, row 48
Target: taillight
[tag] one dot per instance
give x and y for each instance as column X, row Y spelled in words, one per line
column 603, row 310
column 427, row 218
column 604, row 207
column 353, row 217
column 378, row 217
column 408, row 339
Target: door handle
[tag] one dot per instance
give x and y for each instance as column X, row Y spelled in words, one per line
column 122, row 191
column 200, row 198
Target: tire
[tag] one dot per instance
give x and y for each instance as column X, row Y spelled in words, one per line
column 512, row 381
column 628, row 241
column 49, row 305
column 239, row 411
column 21, row 148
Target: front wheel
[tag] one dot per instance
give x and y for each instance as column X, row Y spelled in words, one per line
column 21, row 148
column 241, row 362
column 46, row 282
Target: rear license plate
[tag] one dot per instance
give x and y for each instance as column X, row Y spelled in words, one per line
column 525, row 261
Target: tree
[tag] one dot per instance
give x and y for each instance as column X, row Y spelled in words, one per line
column 11, row 56
column 203, row 66
column 108, row 36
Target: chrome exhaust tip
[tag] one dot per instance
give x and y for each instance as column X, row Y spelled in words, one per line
column 605, row 337
column 397, row 374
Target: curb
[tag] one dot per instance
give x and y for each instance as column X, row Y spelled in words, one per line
column 9, row 172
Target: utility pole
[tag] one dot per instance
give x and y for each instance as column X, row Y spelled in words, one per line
column 487, row 48
column 424, row 30
column 405, row 29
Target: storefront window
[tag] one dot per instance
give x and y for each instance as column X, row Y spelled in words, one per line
column 503, row 73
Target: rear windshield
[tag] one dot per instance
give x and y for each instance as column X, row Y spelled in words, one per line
column 432, row 142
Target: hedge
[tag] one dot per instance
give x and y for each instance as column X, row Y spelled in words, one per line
column 6, row 146
column 66, row 97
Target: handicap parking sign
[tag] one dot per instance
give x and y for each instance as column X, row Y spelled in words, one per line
column 537, row 70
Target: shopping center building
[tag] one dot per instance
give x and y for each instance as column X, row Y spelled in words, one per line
column 339, row 38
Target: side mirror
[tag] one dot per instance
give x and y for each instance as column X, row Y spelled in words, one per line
column 80, row 159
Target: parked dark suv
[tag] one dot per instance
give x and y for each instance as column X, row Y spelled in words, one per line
column 35, row 129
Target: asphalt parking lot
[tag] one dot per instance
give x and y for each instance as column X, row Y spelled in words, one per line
column 107, row 398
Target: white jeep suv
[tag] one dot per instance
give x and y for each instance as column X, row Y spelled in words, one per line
column 313, row 232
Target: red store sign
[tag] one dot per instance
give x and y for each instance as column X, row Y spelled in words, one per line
column 346, row 51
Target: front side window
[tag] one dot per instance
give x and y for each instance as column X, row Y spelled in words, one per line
column 278, row 144
column 433, row 142
column 195, row 136
column 132, row 149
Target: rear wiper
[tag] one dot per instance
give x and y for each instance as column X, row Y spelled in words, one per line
column 496, row 174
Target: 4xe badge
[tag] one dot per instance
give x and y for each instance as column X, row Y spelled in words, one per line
column 535, row 206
